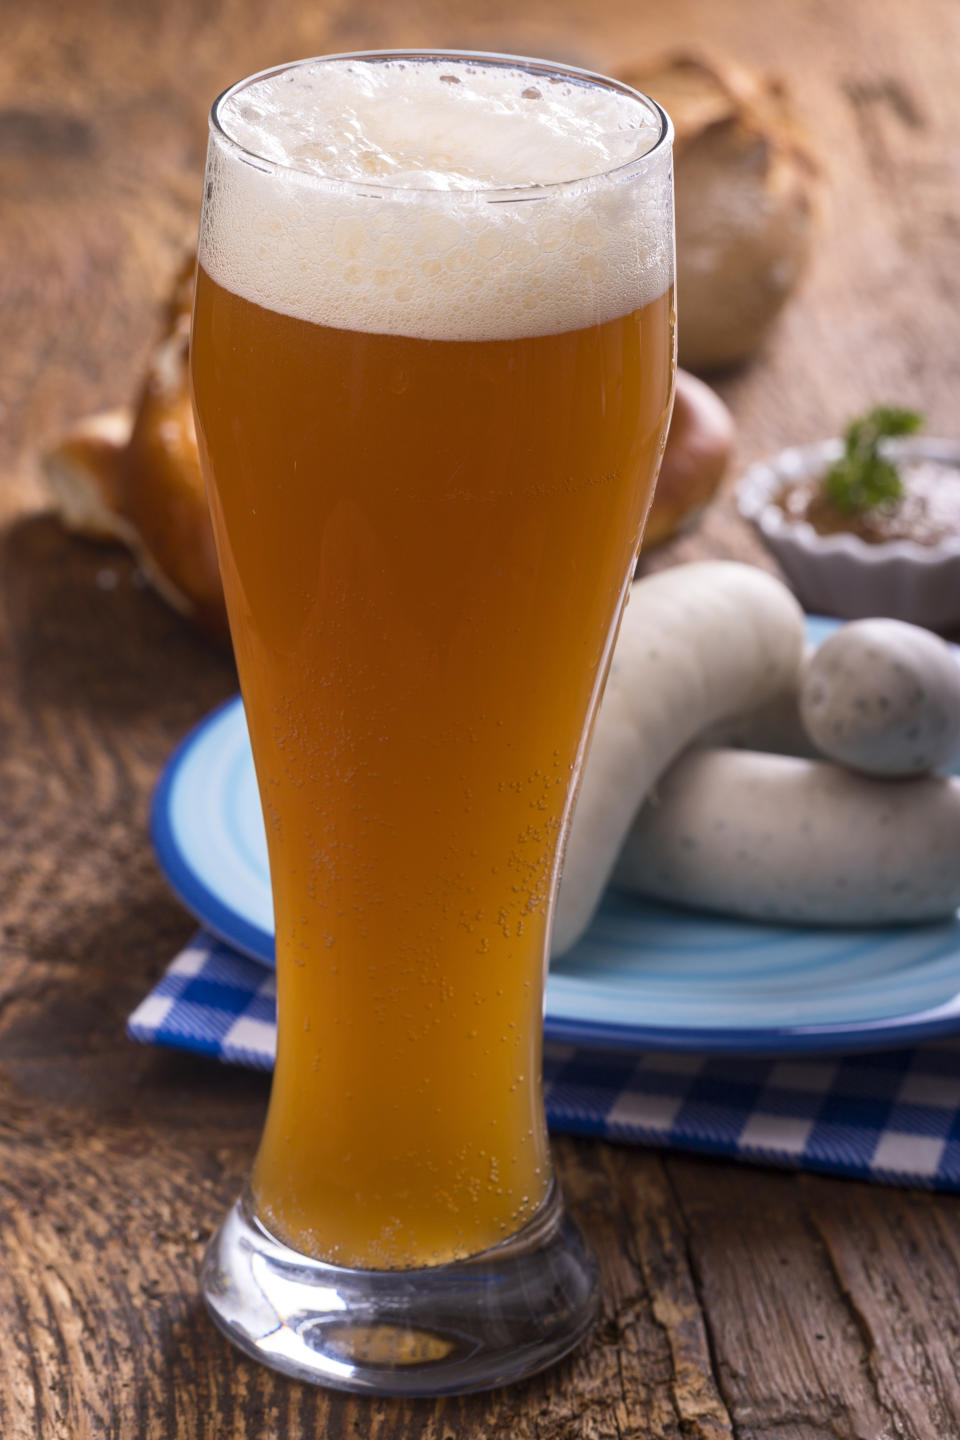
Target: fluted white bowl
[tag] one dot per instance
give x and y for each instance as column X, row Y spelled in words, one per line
column 842, row 574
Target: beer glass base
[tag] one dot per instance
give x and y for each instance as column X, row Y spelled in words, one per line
column 448, row 1329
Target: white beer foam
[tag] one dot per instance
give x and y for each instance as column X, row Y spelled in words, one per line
column 371, row 197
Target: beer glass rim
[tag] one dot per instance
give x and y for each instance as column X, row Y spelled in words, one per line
column 618, row 174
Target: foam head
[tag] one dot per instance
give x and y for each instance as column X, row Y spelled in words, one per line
column 444, row 197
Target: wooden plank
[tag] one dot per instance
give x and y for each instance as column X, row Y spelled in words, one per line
column 897, row 1264
column 763, row 1274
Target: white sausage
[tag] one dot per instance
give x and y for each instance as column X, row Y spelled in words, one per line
column 883, row 697
column 776, row 727
column 772, row 837
column 698, row 643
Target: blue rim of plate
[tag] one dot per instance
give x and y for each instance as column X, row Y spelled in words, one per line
column 205, row 904
column 228, row 925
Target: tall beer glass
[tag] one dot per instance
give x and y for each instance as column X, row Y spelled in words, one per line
column 432, row 363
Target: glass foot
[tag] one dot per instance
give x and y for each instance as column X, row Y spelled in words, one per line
column 448, row 1329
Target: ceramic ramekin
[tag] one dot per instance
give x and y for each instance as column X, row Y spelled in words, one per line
column 842, row 574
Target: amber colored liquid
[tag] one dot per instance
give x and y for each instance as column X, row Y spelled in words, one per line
column 424, row 546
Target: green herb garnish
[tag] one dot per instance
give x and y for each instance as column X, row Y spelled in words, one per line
column 862, row 477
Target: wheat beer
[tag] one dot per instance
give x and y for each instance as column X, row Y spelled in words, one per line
column 432, row 365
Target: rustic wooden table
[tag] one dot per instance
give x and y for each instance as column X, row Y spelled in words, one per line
column 736, row 1301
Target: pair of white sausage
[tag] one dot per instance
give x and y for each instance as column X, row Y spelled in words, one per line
column 764, row 835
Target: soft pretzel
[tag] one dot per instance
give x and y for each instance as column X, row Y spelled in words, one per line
column 85, row 477
column 135, row 477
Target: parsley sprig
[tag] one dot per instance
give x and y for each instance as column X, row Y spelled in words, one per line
column 862, row 477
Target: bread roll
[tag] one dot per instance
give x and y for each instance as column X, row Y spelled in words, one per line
column 747, row 195
column 697, row 452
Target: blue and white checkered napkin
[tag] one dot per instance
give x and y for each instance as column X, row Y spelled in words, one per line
column 892, row 1116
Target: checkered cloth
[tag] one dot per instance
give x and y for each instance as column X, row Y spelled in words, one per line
column 892, row 1116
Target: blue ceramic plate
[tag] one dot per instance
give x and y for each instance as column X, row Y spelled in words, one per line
column 644, row 977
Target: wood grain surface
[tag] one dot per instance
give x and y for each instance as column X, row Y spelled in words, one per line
column 737, row 1302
